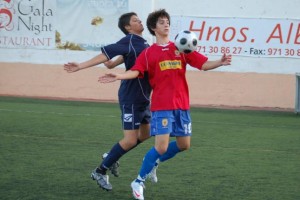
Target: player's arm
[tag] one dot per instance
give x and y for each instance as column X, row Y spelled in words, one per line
column 113, row 63
column 111, row 77
column 74, row 66
column 209, row 65
column 136, row 71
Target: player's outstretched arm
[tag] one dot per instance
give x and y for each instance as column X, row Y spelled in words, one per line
column 74, row 66
column 112, row 77
column 225, row 60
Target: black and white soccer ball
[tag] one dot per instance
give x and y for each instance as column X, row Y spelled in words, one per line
column 186, row 41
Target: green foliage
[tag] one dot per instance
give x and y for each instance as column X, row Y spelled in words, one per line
column 48, row 149
column 69, row 45
column 57, row 37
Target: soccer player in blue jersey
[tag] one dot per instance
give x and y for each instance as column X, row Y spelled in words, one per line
column 133, row 94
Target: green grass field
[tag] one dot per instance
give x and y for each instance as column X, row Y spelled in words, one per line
column 49, row 148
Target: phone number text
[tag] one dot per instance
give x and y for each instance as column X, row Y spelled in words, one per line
column 249, row 51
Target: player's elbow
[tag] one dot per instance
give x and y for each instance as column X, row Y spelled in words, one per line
column 204, row 67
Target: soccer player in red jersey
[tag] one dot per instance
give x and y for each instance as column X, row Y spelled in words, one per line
column 166, row 68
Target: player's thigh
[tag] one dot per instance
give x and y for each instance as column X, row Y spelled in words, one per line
column 162, row 143
column 144, row 132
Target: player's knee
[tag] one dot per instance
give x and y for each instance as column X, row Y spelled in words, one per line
column 161, row 149
column 128, row 143
column 132, row 143
column 185, row 147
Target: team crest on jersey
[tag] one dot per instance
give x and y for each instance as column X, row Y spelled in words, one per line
column 127, row 118
column 177, row 53
column 164, row 122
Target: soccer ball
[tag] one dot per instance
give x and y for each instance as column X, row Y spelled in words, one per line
column 186, row 41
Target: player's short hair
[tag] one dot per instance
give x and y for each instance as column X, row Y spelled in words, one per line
column 124, row 20
column 153, row 19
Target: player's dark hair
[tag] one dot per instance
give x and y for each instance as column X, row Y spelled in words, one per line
column 153, row 19
column 124, row 20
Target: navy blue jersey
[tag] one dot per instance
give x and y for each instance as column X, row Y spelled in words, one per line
column 134, row 91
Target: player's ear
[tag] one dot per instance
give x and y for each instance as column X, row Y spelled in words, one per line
column 154, row 30
column 127, row 27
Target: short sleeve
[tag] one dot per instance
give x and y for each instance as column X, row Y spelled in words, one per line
column 196, row 59
column 118, row 48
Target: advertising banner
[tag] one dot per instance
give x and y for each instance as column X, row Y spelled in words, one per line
column 60, row 24
column 243, row 36
column 27, row 24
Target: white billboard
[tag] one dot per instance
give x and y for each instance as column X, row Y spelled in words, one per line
column 254, row 37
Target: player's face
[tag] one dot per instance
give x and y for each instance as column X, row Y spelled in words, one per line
column 162, row 26
column 136, row 25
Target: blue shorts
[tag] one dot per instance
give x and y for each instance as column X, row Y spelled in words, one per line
column 173, row 122
column 133, row 115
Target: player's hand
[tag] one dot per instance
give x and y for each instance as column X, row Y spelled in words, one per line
column 226, row 59
column 71, row 67
column 107, row 78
